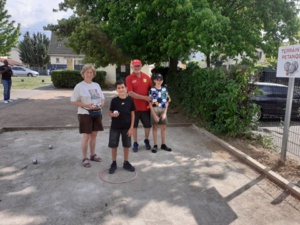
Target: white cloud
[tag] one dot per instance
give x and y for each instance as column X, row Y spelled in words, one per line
column 34, row 14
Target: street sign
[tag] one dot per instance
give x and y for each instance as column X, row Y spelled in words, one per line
column 288, row 61
column 288, row 66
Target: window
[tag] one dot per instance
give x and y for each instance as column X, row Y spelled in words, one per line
column 258, row 54
column 57, row 60
column 280, row 92
column 266, row 90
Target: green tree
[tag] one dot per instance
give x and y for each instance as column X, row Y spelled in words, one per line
column 9, row 34
column 252, row 24
column 159, row 31
column 116, row 31
column 34, row 50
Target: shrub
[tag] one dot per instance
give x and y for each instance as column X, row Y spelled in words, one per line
column 69, row 78
column 218, row 96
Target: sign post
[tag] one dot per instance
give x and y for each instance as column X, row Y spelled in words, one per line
column 288, row 66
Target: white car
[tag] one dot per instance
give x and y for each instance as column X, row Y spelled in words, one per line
column 20, row 71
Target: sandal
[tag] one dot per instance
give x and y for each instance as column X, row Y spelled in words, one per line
column 86, row 163
column 95, row 158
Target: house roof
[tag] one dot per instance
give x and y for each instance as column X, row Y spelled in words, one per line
column 11, row 62
column 58, row 47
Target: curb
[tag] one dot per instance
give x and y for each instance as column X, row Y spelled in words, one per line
column 271, row 175
column 15, row 128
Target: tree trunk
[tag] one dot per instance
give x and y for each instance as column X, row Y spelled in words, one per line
column 173, row 64
column 207, row 60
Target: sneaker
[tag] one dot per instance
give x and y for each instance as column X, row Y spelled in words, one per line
column 147, row 144
column 135, row 147
column 112, row 168
column 9, row 100
column 154, row 149
column 166, row 148
column 5, row 102
column 128, row 166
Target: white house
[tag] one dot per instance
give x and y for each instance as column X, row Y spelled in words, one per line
column 62, row 57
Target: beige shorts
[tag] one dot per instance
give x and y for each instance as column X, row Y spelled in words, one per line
column 159, row 112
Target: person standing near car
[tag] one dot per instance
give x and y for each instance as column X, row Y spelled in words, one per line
column 87, row 95
column 138, row 86
column 6, row 73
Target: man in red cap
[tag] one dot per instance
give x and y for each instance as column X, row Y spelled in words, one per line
column 138, row 86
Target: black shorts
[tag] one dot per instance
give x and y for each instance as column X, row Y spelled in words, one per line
column 88, row 124
column 144, row 116
column 114, row 137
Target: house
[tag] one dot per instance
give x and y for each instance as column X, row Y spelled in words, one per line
column 10, row 61
column 63, row 57
column 200, row 57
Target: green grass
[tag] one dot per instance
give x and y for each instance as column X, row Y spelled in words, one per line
column 27, row 83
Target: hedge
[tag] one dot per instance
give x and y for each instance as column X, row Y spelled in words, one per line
column 69, row 78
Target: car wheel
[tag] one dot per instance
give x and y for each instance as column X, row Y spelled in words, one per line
column 258, row 115
column 29, row 75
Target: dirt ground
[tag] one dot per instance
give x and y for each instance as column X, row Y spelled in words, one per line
column 48, row 98
column 199, row 182
column 290, row 170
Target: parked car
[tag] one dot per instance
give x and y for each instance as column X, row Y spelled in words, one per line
column 272, row 99
column 20, row 71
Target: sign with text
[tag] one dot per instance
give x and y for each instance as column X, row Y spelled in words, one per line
column 288, row 61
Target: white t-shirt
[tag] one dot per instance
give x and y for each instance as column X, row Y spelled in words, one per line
column 87, row 94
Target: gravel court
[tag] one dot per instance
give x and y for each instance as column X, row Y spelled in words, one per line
column 197, row 183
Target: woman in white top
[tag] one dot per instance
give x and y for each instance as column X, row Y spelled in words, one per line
column 87, row 95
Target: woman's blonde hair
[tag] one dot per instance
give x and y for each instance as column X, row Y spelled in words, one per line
column 88, row 67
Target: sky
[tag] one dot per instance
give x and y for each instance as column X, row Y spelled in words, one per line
column 34, row 14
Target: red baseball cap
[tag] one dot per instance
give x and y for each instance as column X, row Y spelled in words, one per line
column 136, row 62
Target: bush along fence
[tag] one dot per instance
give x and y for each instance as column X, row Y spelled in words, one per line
column 69, row 78
column 221, row 98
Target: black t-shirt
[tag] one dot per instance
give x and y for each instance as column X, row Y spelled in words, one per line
column 6, row 75
column 124, row 107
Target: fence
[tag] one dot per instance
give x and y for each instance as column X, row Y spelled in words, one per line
column 274, row 125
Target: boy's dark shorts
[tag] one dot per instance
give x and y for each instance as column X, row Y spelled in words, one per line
column 144, row 116
column 114, row 137
column 88, row 124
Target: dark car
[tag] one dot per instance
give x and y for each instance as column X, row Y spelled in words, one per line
column 272, row 98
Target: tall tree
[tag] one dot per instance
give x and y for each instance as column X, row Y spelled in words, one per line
column 9, row 34
column 34, row 50
column 156, row 31
column 159, row 31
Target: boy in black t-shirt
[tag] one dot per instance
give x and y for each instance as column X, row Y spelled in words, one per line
column 121, row 112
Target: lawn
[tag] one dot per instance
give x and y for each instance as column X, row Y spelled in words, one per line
column 27, row 83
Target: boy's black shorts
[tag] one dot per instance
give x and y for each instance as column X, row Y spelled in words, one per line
column 144, row 116
column 114, row 137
